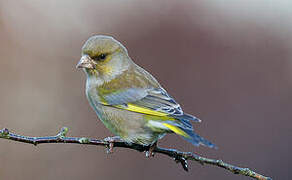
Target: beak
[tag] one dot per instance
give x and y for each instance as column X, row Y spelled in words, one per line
column 86, row 62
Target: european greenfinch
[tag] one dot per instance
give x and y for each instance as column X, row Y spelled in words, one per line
column 128, row 100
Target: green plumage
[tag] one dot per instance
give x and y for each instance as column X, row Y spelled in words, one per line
column 129, row 100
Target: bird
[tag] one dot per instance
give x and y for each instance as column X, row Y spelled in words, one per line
column 128, row 100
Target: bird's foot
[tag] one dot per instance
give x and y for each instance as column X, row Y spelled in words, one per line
column 150, row 152
column 183, row 162
column 111, row 141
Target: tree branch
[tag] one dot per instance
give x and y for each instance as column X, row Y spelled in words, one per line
column 178, row 156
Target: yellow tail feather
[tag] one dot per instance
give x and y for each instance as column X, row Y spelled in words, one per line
column 176, row 130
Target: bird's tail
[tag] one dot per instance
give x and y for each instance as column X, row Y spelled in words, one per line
column 196, row 139
column 189, row 135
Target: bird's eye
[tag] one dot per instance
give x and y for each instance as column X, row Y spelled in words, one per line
column 102, row 57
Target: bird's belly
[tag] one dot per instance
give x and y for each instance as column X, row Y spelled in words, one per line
column 130, row 126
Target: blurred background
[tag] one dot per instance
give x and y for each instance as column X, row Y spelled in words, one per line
column 227, row 62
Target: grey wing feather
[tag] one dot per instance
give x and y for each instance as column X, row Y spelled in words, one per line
column 126, row 96
column 159, row 100
column 156, row 99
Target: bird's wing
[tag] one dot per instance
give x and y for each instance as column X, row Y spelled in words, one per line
column 154, row 101
column 157, row 102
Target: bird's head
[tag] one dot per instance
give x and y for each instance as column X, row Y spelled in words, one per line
column 103, row 56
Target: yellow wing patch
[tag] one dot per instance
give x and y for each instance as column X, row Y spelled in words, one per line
column 176, row 130
column 138, row 109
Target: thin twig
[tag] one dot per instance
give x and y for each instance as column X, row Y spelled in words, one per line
column 178, row 156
